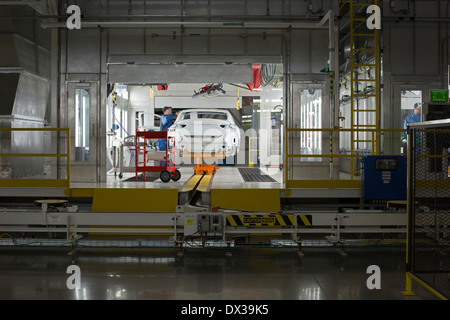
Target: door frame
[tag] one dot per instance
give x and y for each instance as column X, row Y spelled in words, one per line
column 85, row 171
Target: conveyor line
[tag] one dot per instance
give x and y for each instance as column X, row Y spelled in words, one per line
column 204, row 183
column 192, row 183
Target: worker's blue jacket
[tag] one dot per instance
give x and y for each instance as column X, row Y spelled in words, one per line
column 166, row 123
column 410, row 119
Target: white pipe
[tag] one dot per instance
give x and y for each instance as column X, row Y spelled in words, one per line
column 325, row 18
column 234, row 25
column 331, row 49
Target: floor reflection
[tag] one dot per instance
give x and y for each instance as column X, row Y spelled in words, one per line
column 273, row 274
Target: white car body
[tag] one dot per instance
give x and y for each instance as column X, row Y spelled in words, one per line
column 207, row 132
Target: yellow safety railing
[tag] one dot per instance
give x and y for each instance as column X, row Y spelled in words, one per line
column 329, row 183
column 250, row 150
column 38, row 183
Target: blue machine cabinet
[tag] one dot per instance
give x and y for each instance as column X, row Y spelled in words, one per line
column 384, row 177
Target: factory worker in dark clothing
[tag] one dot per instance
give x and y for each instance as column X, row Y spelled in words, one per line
column 166, row 122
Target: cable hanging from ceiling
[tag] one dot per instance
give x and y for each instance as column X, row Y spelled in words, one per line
column 268, row 72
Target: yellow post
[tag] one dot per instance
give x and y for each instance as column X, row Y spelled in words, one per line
column 408, row 290
column 250, row 163
column 287, row 192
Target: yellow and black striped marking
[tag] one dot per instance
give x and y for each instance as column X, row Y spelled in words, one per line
column 304, row 220
column 267, row 220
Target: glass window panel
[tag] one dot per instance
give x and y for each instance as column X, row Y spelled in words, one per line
column 82, row 107
column 311, row 118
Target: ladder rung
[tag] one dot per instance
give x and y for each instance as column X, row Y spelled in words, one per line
column 362, row 4
column 366, row 126
column 359, row 110
column 370, row 80
column 364, row 95
column 362, row 140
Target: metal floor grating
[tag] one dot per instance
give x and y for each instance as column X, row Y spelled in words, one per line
column 255, row 175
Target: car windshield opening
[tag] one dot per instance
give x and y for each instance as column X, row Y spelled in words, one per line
column 212, row 115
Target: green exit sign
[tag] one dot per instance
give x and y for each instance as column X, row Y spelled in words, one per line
column 438, row 95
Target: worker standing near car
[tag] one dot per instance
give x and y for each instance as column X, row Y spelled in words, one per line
column 166, row 122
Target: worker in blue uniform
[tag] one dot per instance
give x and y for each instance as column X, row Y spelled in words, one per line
column 166, row 122
column 413, row 117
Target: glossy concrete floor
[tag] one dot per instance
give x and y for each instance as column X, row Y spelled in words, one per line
column 159, row 274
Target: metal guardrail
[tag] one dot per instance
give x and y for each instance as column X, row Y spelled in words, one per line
column 250, row 149
column 39, row 183
column 428, row 223
column 329, row 183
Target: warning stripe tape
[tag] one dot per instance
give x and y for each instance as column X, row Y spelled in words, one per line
column 304, row 220
column 268, row 220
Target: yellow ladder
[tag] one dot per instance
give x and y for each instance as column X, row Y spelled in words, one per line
column 361, row 131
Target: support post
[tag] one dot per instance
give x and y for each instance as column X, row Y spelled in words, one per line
column 408, row 287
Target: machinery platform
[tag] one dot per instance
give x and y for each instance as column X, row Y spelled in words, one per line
column 229, row 187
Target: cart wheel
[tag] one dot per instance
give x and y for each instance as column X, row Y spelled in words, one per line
column 165, row 176
column 120, row 175
column 176, row 175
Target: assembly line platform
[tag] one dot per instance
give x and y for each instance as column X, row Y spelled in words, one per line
column 250, row 189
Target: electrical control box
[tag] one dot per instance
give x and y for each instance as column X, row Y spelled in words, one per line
column 201, row 224
column 384, row 177
column 215, row 223
column 190, row 224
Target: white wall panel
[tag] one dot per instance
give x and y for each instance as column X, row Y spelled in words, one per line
column 230, row 7
column 402, row 48
column 180, row 73
column 162, row 42
column 319, row 50
column 129, row 41
column 197, row 42
column 163, row 7
column 83, row 51
column 259, row 45
column 227, row 45
column 427, row 48
column 26, row 53
column 300, row 54
column 196, row 7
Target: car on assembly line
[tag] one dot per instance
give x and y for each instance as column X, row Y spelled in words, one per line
column 207, row 132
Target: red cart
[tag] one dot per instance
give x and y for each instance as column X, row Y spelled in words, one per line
column 169, row 171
